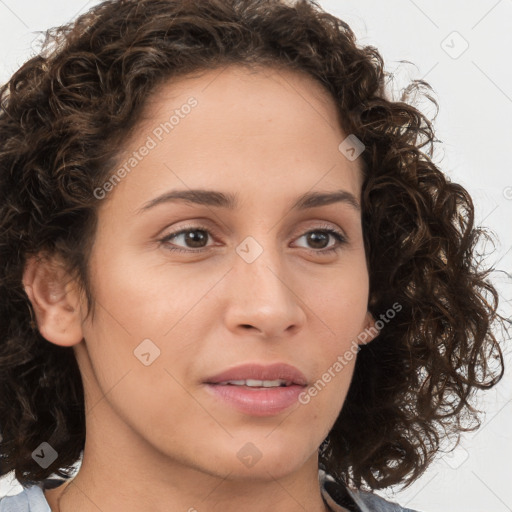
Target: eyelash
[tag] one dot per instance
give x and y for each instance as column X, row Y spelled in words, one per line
column 341, row 239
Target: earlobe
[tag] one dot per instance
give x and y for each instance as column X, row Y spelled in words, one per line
column 54, row 300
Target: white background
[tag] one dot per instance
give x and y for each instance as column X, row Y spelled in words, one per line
column 474, row 90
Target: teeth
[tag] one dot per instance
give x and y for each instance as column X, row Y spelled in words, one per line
column 252, row 383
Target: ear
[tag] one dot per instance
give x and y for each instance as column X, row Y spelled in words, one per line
column 54, row 299
column 370, row 331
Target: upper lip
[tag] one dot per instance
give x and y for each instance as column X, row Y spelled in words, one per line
column 254, row 371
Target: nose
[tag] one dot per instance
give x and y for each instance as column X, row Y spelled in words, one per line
column 263, row 297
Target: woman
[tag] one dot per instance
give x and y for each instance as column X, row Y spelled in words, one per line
column 231, row 277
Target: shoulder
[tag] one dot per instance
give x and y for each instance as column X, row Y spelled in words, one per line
column 337, row 495
column 31, row 499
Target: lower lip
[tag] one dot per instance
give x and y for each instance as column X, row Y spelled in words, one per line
column 257, row 401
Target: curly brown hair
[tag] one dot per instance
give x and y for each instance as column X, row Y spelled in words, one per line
column 63, row 117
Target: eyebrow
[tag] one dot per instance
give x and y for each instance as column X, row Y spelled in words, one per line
column 230, row 201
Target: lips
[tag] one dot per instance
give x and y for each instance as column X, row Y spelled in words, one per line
column 257, row 390
column 273, row 372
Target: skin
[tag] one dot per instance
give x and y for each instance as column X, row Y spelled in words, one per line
column 154, row 435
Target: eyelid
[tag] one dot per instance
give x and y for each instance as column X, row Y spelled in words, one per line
column 193, row 225
column 206, row 225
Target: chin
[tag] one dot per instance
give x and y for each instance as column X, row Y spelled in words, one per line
column 264, row 458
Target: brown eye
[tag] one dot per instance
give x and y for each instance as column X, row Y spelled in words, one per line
column 193, row 238
column 318, row 239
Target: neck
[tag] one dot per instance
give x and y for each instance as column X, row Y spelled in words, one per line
column 191, row 493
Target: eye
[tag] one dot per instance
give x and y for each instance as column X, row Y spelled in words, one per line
column 194, row 235
column 195, row 239
column 320, row 236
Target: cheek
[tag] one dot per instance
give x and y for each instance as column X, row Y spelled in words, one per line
column 142, row 313
column 130, row 363
column 340, row 298
column 144, row 298
column 339, row 309
column 322, row 401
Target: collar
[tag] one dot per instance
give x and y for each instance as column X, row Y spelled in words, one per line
column 339, row 497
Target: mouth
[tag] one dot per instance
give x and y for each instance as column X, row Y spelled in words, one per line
column 253, row 383
column 260, row 375
column 258, row 390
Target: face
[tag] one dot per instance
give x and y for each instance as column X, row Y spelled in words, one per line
column 247, row 275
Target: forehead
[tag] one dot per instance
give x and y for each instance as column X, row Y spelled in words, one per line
column 258, row 80
column 256, row 129
column 241, row 102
